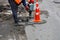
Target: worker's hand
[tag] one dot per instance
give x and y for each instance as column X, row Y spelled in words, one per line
column 31, row 1
column 26, row 7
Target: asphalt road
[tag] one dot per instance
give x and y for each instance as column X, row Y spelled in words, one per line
column 47, row 31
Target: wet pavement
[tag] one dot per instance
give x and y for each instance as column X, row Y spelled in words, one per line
column 8, row 31
column 47, row 31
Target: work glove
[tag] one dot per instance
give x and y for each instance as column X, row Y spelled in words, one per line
column 31, row 1
column 27, row 8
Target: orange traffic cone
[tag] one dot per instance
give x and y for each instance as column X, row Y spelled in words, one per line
column 37, row 13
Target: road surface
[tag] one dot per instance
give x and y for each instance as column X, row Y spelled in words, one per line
column 47, row 31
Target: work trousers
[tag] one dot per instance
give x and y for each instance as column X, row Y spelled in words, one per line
column 14, row 8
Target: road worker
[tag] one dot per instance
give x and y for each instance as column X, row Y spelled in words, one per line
column 31, row 6
column 14, row 7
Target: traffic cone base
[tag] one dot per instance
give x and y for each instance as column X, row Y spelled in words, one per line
column 40, row 21
column 37, row 20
